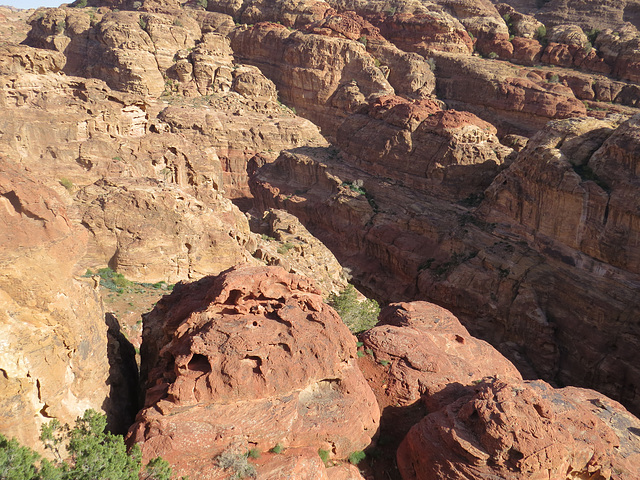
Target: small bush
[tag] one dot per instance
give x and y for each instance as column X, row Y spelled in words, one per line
column 384, row 363
column 254, row 453
column 356, row 457
column 391, row 11
column 112, row 280
column 79, row 4
column 137, row 5
column 282, row 249
column 177, row 22
column 554, row 79
column 357, row 315
column 541, row 32
column 236, row 463
column 143, row 23
column 61, row 25
column 203, row 3
column 432, row 63
column 492, row 55
column 66, row 183
column 363, row 40
column 324, row 455
column 277, row 449
column 587, row 48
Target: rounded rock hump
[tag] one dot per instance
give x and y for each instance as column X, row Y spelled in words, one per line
column 250, row 359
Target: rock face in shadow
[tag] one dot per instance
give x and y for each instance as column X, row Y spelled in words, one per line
column 53, row 355
column 250, row 359
column 530, row 281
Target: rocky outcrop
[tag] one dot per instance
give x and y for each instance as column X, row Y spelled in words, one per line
column 457, row 409
column 510, row 430
column 153, row 232
column 53, row 356
column 431, row 356
column 424, row 146
column 290, row 245
column 258, row 347
column 324, row 78
column 487, row 89
column 460, row 256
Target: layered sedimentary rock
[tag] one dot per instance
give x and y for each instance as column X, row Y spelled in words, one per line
column 549, row 300
column 323, row 77
column 251, row 358
column 53, row 356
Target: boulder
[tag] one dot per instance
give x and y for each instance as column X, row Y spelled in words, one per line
column 250, row 359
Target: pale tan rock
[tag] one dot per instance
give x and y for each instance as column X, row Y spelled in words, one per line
column 299, row 252
column 54, row 349
column 169, row 236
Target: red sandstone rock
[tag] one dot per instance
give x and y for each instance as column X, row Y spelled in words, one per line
column 432, row 356
column 253, row 357
column 512, row 430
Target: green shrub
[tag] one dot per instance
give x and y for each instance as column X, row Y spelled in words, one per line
column 282, row 249
column 278, row 448
column 66, row 183
column 137, row 5
column 61, row 25
column 113, row 280
column 492, row 55
column 203, row 3
column 363, row 40
column 254, row 453
column 324, row 455
column 94, row 455
column 143, row 23
column 541, row 32
column 79, row 4
column 554, row 79
column 356, row 457
column 357, row 315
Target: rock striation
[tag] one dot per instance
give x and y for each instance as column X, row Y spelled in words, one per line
column 250, row 359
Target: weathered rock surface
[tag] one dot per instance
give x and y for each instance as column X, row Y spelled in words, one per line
column 407, row 244
column 322, row 77
column 510, row 430
column 250, row 358
column 53, row 355
column 297, row 251
column 423, row 146
column 432, row 356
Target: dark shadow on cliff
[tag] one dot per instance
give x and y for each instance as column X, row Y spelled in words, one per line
column 395, row 423
column 122, row 405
